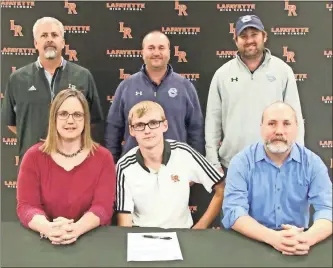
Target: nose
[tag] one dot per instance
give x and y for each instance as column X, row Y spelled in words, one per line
column 70, row 119
column 279, row 129
column 147, row 130
column 249, row 39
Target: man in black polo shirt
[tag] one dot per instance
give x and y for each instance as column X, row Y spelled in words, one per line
column 31, row 89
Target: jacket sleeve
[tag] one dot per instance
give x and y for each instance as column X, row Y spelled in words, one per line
column 291, row 97
column 9, row 105
column 213, row 124
column 115, row 125
column 194, row 121
column 96, row 112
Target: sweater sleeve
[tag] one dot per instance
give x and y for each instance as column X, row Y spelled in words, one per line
column 28, row 193
column 291, row 97
column 104, row 194
column 213, row 125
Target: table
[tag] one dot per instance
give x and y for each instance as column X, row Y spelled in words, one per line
column 106, row 247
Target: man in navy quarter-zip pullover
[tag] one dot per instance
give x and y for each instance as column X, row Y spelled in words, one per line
column 31, row 89
column 156, row 81
column 241, row 89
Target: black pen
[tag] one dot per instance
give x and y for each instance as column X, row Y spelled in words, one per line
column 157, row 237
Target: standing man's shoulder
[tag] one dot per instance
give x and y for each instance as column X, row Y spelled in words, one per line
column 134, row 80
column 23, row 72
column 76, row 68
column 278, row 64
column 183, row 81
column 229, row 66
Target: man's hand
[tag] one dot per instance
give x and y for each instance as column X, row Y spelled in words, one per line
column 286, row 240
column 303, row 247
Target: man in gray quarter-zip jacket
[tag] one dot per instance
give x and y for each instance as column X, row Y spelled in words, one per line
column 156, row 81
column 241, row 89
column 31, row 89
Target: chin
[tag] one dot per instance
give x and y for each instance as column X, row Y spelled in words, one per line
column 71, row 137
column 276, row 149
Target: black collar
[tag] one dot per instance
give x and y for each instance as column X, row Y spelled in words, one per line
column 165, row 156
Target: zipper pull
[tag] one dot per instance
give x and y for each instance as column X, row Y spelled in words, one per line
column 155, row 93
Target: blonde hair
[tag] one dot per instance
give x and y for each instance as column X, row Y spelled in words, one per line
column 50, row 144
column 142, row 108
column 48, row 20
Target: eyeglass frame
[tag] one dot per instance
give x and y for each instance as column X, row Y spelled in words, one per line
column 72, row 114
column 147, row 124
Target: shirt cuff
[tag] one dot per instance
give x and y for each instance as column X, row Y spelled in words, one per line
column 323, row 214
column 29, row 214
column 102, row 214
column 232, row 215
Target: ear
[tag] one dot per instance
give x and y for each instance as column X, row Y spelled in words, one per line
column 165, row 126
column 131, row 131
column 35, row 43
column 265, row 36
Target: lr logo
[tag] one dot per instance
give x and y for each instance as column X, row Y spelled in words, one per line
column 291, row 8
column 180, row 54
column 125, row 30
column 17, row 29
column 71, row 8
column 181, row 8
column 289, row 54
column 232, row 29
column 123, row 75
column 71, row 53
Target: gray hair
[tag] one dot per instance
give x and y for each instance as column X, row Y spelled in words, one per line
column 48, row 20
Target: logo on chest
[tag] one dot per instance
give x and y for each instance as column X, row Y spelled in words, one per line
column 173, row 92
column 175, row 178
column 71, row 86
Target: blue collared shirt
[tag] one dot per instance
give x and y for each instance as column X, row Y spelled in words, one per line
column 273, row 195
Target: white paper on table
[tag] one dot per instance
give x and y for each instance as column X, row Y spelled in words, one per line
column 140, row 248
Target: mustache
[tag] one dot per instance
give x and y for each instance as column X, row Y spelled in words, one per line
column 50, row 44
column 278, row 139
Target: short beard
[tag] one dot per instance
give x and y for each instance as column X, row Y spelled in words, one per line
column 250, row 56
column 277, row 149
column 50, row 54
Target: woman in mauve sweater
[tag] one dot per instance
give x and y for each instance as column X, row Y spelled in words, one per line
column 66, row 184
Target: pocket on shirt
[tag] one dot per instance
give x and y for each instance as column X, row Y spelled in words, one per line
column 300, row 188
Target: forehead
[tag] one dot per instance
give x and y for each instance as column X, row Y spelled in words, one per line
column 71, row 104
column 249, row 30
column 151, row 114
column 279, row 114
column 48, row 28
column 156, row 39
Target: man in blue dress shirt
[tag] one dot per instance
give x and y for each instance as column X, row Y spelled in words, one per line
column 270, row 186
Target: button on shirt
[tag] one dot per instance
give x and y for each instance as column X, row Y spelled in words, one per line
column 273, row 195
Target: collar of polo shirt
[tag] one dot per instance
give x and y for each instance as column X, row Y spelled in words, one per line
column 165, row 156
